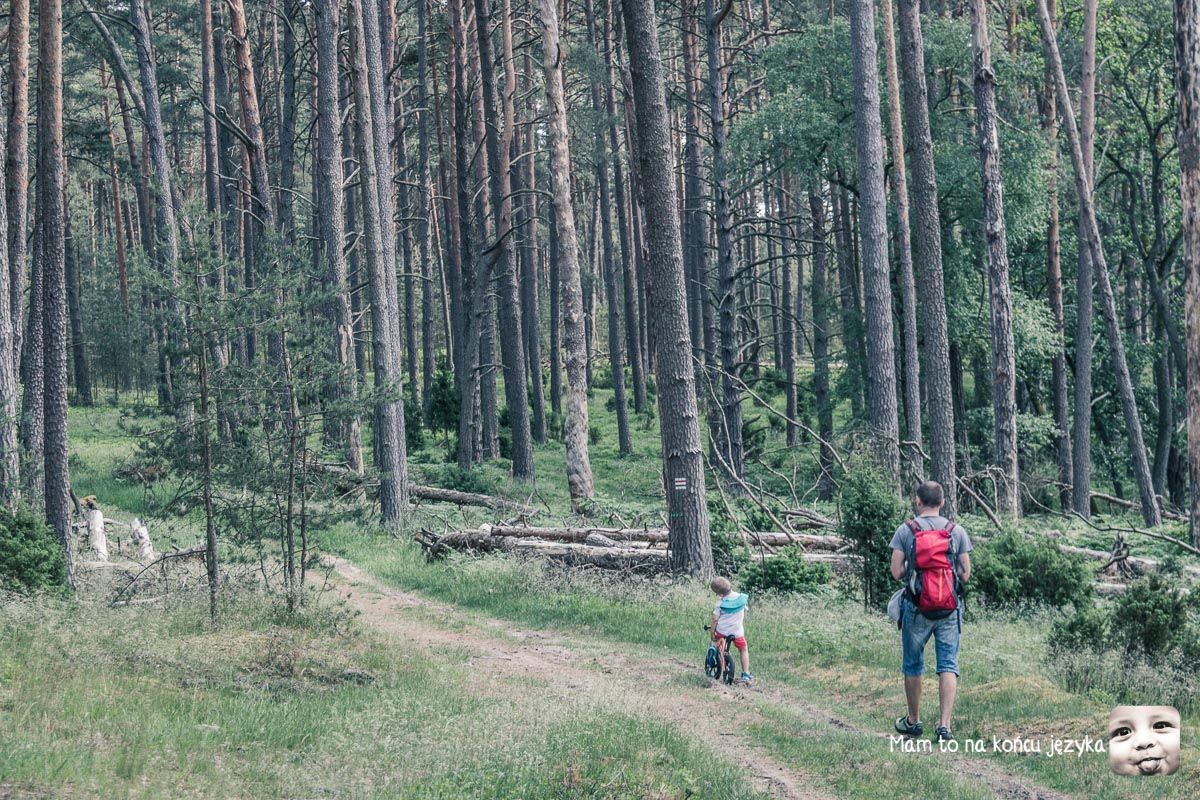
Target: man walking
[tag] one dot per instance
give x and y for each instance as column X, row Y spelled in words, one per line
column 930, row 554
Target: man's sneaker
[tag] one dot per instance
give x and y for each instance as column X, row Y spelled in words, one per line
column 913, row 729
column 944, row 734
column 747, row 677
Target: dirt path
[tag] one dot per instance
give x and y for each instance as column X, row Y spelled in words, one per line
column 576, row 672
column 569, row 675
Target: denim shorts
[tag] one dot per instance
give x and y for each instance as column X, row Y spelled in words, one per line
column 915, row 633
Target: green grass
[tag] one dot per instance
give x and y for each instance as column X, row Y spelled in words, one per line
column 148, row 703
column 826, row 649
column 177, row 710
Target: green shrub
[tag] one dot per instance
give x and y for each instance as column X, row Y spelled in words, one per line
column 786, row 573
column 594, row 434
column 1013, row 569
column 31, row 559
column 1086, row 629
column 1150, row 618
column 870, row 513
column 443, row 399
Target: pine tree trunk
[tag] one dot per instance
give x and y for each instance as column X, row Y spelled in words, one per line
column 600, row 168
column 16, row 168
column 1054, row 280
column 732, row 457
column 498, row 145
column 787, row 313
column 633, row 349
column 1081, row 477
column 877, row 295
column 1151, row 514
column 927, row 241
column 1004, row 363
column 10, row 452
column 820, row 348
column 79, row 362
column 51, row 252
column 908, row 289
column 1187, row 78
column 683, row 467
column 579, row 469
column 425, row 210
column 165, row 222
column 371, row 112
column 287, row 117
column 331, row 232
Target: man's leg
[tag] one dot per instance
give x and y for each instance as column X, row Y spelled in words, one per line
column 913, row 636
column 912, row 693
column 946, row 640
column 947, row 691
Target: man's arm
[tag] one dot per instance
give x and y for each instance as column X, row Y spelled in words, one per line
column 964, row 567
column 898, row 565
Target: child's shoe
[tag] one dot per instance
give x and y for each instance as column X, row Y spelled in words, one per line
column 747, row 677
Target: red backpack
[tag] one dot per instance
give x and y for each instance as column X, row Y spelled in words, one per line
column 932, row 580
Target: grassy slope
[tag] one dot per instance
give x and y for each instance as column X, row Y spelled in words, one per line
column 827, row 651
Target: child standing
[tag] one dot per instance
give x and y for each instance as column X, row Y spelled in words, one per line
column 728, row 619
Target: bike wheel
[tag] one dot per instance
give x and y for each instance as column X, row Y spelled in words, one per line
column 728, row 676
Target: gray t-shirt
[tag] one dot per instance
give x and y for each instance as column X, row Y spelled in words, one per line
column 903, row 540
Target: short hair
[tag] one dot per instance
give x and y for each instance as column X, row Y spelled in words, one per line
column 721, row 585
column 930, row 494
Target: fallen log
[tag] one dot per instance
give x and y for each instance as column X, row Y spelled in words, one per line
column 659, row 536
column 810, row 518
column 579, row 534
column 1132, row 506
column 1140, row 564
column 440, row 495
column 530, row 541
column 433, row 493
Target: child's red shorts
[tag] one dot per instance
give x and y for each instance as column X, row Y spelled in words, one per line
column 739, row 642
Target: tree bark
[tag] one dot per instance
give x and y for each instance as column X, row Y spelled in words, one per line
column 10, row 451
column 1054, row 280
column 733, row 456
column 1187, row 133
column 332, row 233
column 877, row 295
column 16, row 167
column 908, row 289
column 580, row 482
column 498, row 146
column 600, row 168
column 683, row 467
column 820, row 348
column 51, row 216
column 1083, row 187
column 79, row 362
column 633, row 349
column 165, row 221
column 371, row 112
column 1081, row 479
column 1004, row 363
column 927, row 240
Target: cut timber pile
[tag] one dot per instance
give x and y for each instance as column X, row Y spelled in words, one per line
column 642, row 549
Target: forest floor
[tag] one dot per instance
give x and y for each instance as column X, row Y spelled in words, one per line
column 495, row 677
